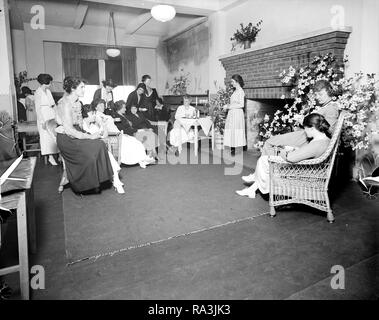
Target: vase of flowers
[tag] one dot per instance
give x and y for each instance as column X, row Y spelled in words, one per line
column 218, row 114
column 20, row 79
column 247, row 35
column 180, row 84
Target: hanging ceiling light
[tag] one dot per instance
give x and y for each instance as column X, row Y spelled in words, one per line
column 112, row 51
column 163, row 13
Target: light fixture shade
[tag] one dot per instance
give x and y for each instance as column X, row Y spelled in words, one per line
column 113, row 52
column 163, row 12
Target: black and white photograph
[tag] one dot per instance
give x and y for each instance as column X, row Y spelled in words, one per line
column 190, row 154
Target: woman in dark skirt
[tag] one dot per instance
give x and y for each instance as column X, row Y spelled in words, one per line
column 85, row 155
column 152, row 103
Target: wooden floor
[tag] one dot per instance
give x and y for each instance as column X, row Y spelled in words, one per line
column 288, row 257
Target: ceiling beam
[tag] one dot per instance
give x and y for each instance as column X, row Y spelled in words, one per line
column 191, row 7
column 138, row 22
column 81, row 11
column 187, row 26
column 228, row 4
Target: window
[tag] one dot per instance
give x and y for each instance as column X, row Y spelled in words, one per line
column 113, row 70
column 90, row 70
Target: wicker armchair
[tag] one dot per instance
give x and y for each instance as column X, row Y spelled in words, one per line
column 305, row 182
column 113, row 142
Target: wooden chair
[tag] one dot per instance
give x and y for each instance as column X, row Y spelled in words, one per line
column 305, row 182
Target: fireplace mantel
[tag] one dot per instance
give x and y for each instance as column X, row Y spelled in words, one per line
column 261, row 65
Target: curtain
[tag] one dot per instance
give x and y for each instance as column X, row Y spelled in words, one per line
column 72, row 53
column 92, row 52
column 71, row 61
column 128, row 56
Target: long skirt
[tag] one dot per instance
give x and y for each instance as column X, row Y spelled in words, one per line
column 293, row 139
column 179, row 135
column 262, row 175
column 148, row 138
column 47, row 141
column 87, row 162
column 132, row 150
column 234, row 133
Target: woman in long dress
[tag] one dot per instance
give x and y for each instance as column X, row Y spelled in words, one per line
column 132, row 150
column 234, row 133
column 329, row 109
column 145, row 131
column 29, row 104
column 315, row 128
column 45, row 109
column 178, row 134
column 86, row 156
column 152, row 103
column 92, row 125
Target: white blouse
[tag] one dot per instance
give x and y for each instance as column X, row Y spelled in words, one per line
column 237, row 99
column 182, row 112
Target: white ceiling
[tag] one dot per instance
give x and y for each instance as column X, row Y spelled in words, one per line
column 131, row 15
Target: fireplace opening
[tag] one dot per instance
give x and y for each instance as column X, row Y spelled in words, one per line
column 256, row 109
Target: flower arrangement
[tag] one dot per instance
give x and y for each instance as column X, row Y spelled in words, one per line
column 248, row 33
column 216, row 110
column 21, row 78
column 180, row 84
column 357, row 95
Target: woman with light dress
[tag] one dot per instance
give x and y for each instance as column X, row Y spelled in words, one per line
column 179, row 135
column 234, row 133
column 315, row 128
column 29, row 104
column 45, row 104
column 132, row 150
column 91, row 125
column 328, row 108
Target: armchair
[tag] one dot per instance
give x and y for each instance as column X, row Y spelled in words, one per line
column 305, row 182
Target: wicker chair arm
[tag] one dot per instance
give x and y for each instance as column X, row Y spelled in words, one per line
column 280, row 160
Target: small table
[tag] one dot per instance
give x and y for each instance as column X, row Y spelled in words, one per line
column 195, row 122
column 27, row 127
column 23, row 202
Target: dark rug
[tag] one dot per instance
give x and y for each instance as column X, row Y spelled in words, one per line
column 161, row 202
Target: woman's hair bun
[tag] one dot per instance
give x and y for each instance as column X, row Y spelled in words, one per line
column 70, row 83
column 317, row 121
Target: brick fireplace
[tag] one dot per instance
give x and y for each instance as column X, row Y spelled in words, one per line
column 261, row 65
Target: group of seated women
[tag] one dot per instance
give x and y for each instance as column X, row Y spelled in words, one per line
column 79, row 133
column 89, row 163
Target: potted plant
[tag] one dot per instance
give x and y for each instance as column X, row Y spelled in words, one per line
column 218, row 114
column 20, row 79
column 247, row 35
column 180, row 85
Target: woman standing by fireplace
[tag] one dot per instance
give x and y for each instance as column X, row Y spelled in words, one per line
column 234, row 133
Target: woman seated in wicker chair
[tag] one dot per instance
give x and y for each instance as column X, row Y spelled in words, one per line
column 315, row 128
column 328, row 108
column 92, row 125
